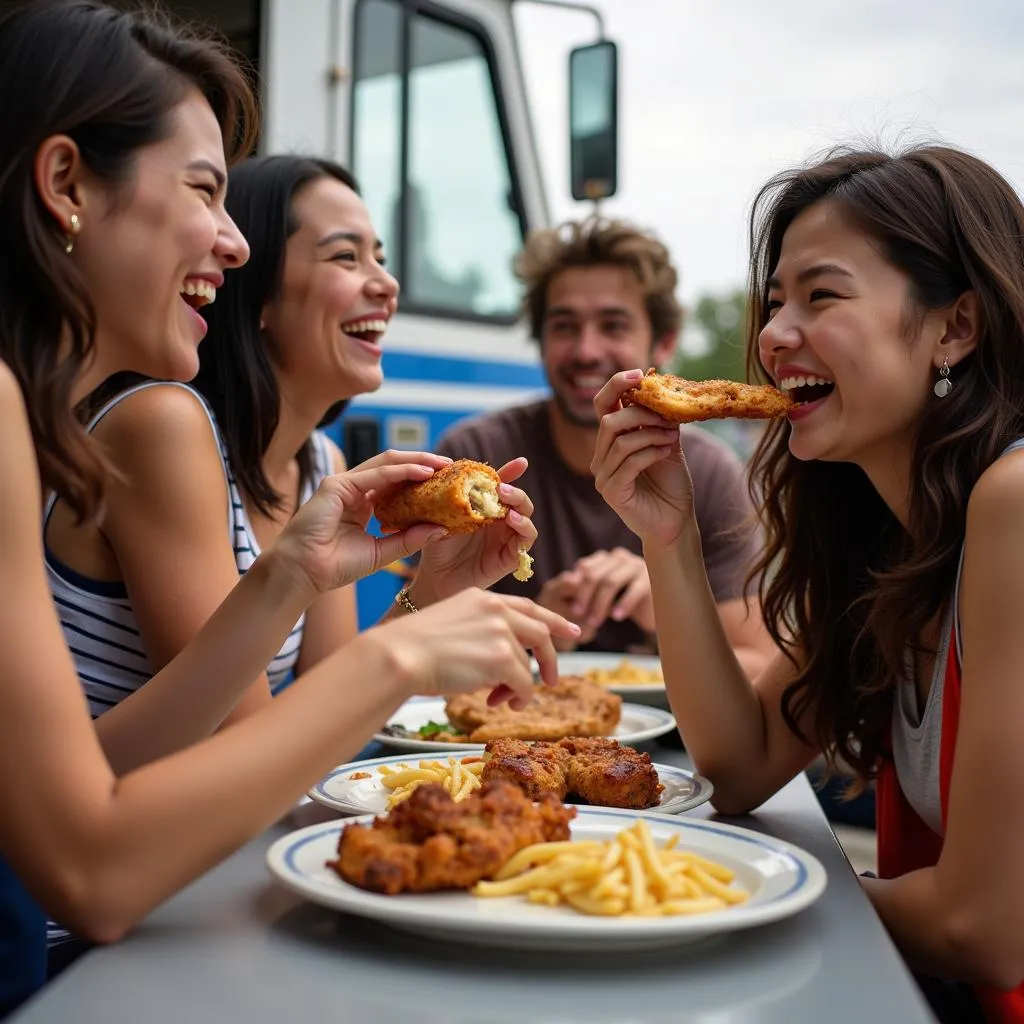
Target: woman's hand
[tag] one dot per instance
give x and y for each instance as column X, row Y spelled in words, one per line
column 474, row 640
column 638, row 465
column 326, row 540
column 481, row 558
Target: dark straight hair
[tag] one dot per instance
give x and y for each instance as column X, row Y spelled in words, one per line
column 236, row 372
column 110, row 80
column 844, row 582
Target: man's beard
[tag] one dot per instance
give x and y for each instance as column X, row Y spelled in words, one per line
column 572, row 416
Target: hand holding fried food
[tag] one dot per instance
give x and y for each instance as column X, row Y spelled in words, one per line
column 461, row 497
column 627, row 875
column 690, row 401
column 430, row 842
column 597, row 770
column 573, row 707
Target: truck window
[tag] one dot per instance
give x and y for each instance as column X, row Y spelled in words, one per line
column 430, row 150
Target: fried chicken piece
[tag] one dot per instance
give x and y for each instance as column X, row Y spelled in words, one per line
column 605, row 773
column 534, row 767
column 429, row 842
column 574, row 707
column 461, row 497
column 688, row 401
column 599, row 771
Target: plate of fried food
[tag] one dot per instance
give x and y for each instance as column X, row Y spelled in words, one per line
column 574, row 707
column 636, row 677
column 501, row 869
column 594, row 771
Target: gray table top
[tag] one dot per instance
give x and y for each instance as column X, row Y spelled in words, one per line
column 235, row 947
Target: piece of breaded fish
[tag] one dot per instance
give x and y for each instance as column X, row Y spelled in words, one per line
column 461, row 497
column 429, row 842
column 689, row 401
column 598, row 770
column 573, row 707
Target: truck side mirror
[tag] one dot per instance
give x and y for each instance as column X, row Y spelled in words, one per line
column 594, row 120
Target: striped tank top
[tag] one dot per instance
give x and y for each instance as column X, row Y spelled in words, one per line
column 97, row 616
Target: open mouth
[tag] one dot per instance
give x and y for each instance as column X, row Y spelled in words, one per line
column 589, row 381
column 370, row 331
column 806, row 389
column 197, row 293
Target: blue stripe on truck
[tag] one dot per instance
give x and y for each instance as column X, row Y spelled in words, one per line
column 412, row 366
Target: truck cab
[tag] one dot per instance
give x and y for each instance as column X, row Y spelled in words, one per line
column 425, row 102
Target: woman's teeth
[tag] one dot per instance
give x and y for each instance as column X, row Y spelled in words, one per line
column 789, row 383
column 365, row 327
column 799, row 388
column 201, row 293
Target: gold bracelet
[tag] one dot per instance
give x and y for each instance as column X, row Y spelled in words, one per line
column 403, row 601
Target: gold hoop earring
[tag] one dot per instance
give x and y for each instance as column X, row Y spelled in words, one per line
column 76, row 226
column 943, row 385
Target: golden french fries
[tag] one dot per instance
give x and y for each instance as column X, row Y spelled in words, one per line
column 627, row 875
column 458, row 777
column 626, row 673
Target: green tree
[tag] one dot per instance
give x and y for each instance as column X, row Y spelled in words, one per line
column 713, row 346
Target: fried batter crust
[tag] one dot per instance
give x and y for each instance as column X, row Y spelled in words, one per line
column 599, row 771
column 429, row 842
column 689, row 401
column 461, row 497
column 574, row 707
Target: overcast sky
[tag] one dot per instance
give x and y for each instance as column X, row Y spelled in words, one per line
column 716, row 95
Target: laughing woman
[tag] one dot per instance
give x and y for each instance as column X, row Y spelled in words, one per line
column 888, row 294
column 211, row 473
column 112, row 163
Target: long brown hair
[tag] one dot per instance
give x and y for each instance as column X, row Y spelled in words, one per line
column 110, row 80
column 592, row 242
column 844, row 584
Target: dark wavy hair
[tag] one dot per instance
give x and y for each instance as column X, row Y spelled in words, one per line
column 109, row 80
column 236, row 372
column 844, row 584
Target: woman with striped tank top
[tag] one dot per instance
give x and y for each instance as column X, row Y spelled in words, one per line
column 887, row 297
column 113, row 157
column 294, row 334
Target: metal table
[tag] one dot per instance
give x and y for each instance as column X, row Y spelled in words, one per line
column 234, row 947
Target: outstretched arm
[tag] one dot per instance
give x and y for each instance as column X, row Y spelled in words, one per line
column 99, row 851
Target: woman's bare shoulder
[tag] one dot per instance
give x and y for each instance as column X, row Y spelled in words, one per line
column 11, row 399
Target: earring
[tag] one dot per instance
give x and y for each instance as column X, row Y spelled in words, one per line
column 76, row 226
column 943, row 385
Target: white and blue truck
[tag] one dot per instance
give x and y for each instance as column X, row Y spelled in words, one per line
column 426, row 102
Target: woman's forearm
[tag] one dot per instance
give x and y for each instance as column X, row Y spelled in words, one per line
column 922, row 921
column 720, row 716
column 191, row 696
column 148, row 841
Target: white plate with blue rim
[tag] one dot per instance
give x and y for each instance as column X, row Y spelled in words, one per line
column 634, row 677
column 358, row 788
column 780, row 878
column 403, row 731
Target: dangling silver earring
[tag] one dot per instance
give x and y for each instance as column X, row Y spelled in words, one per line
column 943, row 385
column 76, row 226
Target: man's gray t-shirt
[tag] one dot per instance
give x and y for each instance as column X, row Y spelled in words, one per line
column 573, row 520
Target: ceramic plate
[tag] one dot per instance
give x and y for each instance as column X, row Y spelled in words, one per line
column 683, row 790
column 781, row 878
column 636, row 724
